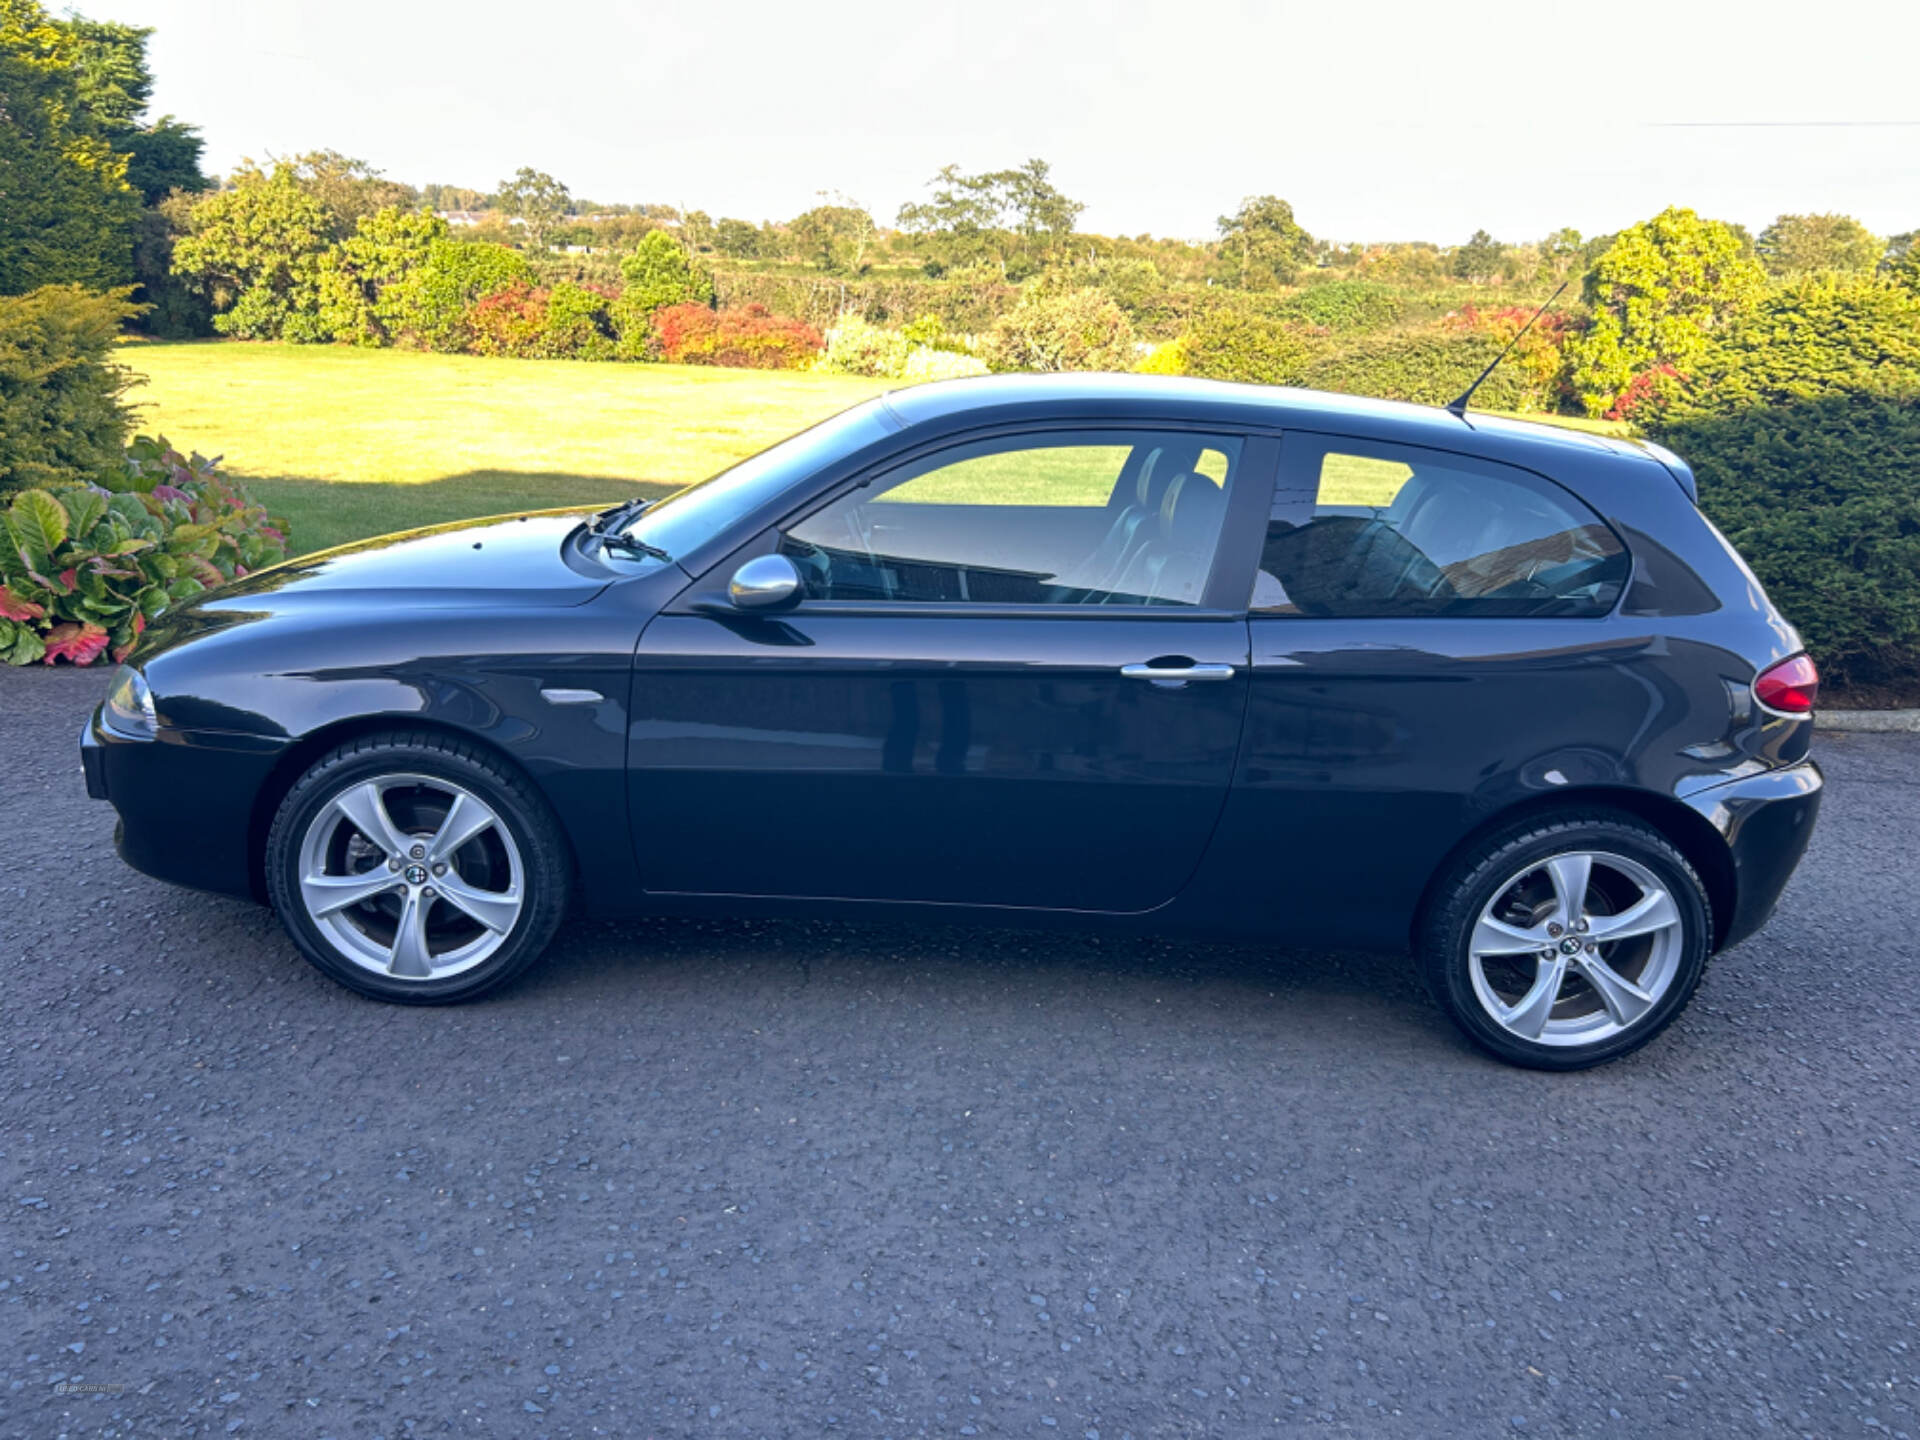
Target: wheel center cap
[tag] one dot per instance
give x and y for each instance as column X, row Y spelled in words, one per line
column 1568, row 946
column 416, row 874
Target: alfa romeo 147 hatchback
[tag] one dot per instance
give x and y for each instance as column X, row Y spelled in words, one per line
column 1199, row 658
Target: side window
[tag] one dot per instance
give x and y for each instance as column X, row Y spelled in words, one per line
column 1361, row 530
column 1062, row 518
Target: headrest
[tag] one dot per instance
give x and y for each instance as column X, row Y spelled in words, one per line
column 1156, row 472
column 1192, row 510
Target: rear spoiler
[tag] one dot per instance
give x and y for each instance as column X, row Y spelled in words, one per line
column 1681, row 471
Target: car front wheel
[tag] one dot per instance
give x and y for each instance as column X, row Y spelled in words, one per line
column 415, row 868
column 1566, row 942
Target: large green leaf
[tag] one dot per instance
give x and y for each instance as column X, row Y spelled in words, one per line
column 39, row 521
column 85, row 508
column 26, row 648
column 129, row 509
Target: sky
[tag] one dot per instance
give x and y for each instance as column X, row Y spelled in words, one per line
column 1378, row 121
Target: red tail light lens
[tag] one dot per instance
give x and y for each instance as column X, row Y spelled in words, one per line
column 1790, row 687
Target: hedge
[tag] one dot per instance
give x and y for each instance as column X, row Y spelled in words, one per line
column 1822, row 496
column 61, row 417
column 967, row 308
column 1428, row 367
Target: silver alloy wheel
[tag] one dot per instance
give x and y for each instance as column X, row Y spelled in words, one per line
column 411, row 876
column 1576, row 948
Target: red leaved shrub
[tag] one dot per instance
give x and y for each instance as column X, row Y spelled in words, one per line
column 1649, row 388
column 747, row 338
column 509, row 321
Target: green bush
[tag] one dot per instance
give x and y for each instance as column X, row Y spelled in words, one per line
column 1823, row 498
column 258, row 250
column 1427, row 367
column 83, row 568
column 657, row 275
column 1241, row 344
column 456, row 274
column 1081, row 330
column 579, row 323
column 1343, row 306
column 61, row 416
column 370, row 283
column 1812, row 336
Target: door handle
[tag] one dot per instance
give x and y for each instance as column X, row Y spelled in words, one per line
column 1177, row 674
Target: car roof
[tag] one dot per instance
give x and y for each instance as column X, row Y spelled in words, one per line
column 1169, row 397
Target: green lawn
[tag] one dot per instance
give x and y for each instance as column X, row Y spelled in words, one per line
column 348, row 443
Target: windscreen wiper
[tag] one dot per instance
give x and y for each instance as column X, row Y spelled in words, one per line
column 604, row 527
column 617, row 541
column 606, row 520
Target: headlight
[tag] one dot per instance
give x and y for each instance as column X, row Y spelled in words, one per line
column 130, row 705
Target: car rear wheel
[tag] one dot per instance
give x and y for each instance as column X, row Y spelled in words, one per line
column 416, row 868
column 1567, row 942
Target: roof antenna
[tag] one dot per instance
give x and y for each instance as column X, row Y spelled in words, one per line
column 1459, row 406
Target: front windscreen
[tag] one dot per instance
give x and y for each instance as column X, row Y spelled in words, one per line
column 689, row 518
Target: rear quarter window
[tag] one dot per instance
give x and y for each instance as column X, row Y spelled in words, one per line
column 1361, row 529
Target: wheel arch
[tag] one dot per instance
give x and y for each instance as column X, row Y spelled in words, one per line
column 300, row 756
column 1689, row 832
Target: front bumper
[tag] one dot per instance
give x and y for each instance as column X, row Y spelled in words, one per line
column 187, row 801
column 1767, row 822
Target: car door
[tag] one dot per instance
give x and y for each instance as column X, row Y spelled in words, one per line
column 1016, row 677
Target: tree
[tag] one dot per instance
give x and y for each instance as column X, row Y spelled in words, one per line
column 1010, row 218
column 256, row 251
column 1796, row 243
column 346, row 188
column 538, row 201
column 114, row 86
column 1902, row 262
column 1478, row 261
column 66, row 210
column 833, row 236
column 1657, row 295
column 1264, row 243
column 1560, row 252
column 696, row 228
column 737, row 238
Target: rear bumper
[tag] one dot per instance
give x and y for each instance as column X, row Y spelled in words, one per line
column 186, row 801
column 1767, row 821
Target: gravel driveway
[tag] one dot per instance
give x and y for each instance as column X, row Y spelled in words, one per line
column 766, row 1179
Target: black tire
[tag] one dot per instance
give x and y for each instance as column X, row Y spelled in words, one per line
column 1475, row 878
column 523, row 812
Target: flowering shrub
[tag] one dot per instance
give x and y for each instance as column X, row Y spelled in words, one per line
column 83, row 568
column 1080, row 330
column 1167, row 359
column 924, row 364
column 748, row 338
column 855, row 346
column 920, row 351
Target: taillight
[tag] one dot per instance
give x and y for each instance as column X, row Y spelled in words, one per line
column 1789, row 687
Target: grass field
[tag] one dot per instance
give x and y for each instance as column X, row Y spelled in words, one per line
column 349, row 443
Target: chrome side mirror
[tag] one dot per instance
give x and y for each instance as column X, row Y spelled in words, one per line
column 767, row 582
